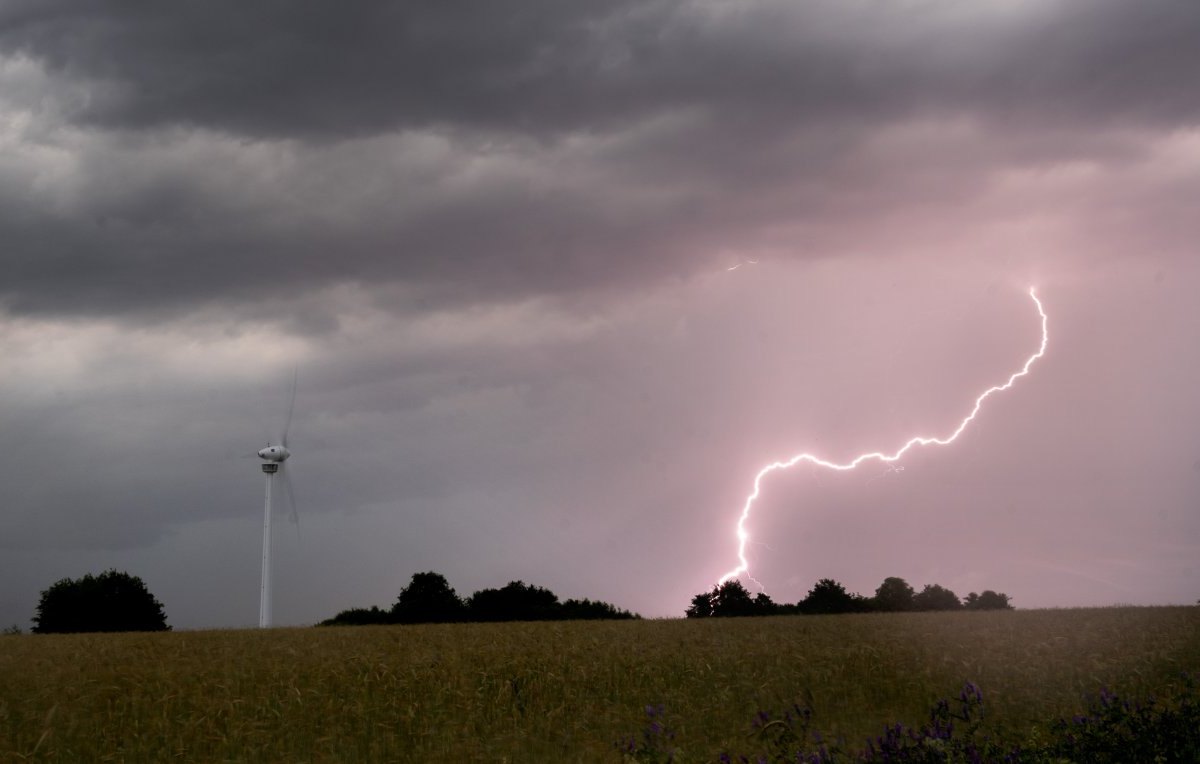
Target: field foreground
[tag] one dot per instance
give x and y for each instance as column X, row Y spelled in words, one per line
column 563, row 691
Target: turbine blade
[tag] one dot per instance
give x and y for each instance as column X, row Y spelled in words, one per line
column 287, row 422
column 293, row 515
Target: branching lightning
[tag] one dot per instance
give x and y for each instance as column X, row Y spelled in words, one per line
column 743, row 536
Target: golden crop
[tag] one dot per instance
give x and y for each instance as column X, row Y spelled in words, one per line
column 562, row 691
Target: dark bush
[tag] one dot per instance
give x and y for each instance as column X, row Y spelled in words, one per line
column 428, row 598
column 989, row 600
column 111, row 601
column 828, row 597
column 516, row 601
column 359, row 616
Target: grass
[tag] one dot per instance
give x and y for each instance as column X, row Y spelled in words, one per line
column 560, row 691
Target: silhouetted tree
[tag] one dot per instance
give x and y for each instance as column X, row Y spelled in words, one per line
column 732, row 599
column 111, row 601
column 988, row 600
column 764, row 605
column 829, row 596
column 428, row 598
column 934, row 597
column 701, row 606
column 589, row 610
column 893, row 595
column 729, row 599
column 516, row 601
column 359, row 616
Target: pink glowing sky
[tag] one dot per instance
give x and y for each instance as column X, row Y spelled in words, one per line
column 496, row 242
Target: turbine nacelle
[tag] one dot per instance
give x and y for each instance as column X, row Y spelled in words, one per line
column 273, row 458
column 274, row 454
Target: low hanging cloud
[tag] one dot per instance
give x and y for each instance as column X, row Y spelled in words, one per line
column 558, row 279
column 165, row 157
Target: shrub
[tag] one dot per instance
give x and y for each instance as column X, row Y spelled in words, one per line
column 111, row 601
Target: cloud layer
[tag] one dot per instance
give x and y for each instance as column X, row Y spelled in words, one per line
column 496, row 240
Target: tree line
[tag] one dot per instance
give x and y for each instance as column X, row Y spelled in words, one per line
column 117, row 601
column 829, row 597
column 429, row 598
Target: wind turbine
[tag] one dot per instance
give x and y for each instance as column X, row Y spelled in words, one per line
column 273, row 458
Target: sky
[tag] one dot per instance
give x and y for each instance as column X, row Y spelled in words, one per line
column 556, row 279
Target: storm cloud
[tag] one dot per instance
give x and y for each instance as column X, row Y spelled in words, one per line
column 496, row 239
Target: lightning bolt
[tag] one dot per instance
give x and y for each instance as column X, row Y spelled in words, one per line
column 743, row 536
column 739, row 265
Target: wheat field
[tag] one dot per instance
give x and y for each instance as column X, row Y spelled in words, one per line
column 561, row 691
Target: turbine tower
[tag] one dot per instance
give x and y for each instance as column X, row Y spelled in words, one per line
column 273, row 458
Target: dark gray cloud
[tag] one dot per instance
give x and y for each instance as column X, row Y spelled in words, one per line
column 280, row 69
column 532, row 149
column 286, row 70
column 496, row 242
